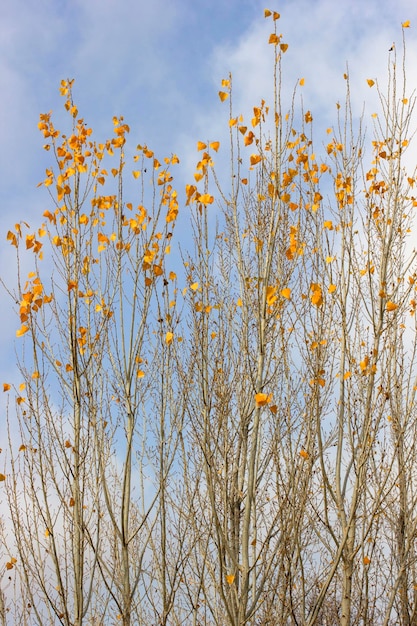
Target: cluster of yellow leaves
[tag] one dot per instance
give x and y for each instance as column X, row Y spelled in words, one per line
column 10, row 564
column 295, row 247
column 191, row 191
column 316, row 295
column 33, row 299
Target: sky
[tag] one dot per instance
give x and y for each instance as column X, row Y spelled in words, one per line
column 159, row 64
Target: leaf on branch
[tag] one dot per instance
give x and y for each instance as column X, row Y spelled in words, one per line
column 262, row 399
column 391, row 306
column 317, row 296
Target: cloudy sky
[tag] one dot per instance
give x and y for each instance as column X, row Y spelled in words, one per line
column 159, row 63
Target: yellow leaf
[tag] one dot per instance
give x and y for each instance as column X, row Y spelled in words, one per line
column 223, row 95
column 47, row 533
column 239, row 302
column 201, row 145
column 302, row 81
column 267, row 13
column 273, row 38
column 255, row 158
column 2, row 477
column 22, row 448
column 328, row 224
column 370, row 82
column 194, row 286
column 230, row 578
column 304, row 454
column 22, row 330
column 172, row 276
column 366, row 560
column 168, row 338
column 332, row 288
column 391, row 306
column 286, row 293
column 136, row 173
column 6, row 386
column 140, row 374
column 406, row 24
column 206, row 198
column 262, row 399
column 284, row 47
column 215, row 145
column 347, row 375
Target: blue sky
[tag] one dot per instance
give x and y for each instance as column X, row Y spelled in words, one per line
column 159, row 63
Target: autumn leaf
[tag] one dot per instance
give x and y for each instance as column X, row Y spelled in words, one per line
column 2, row 477
column 206, row 198
column 201, row 145
column 316, row 296
column 366, row 560
column 370, row 82
column 391, row 306
column 255, row 158
column 406, row 24
column 223, row 95
column 168, row 338
column 230, row 578
column 286, row 293
column 6, row 387
column 304, row 454
column 262, row 399
column 215, row 145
